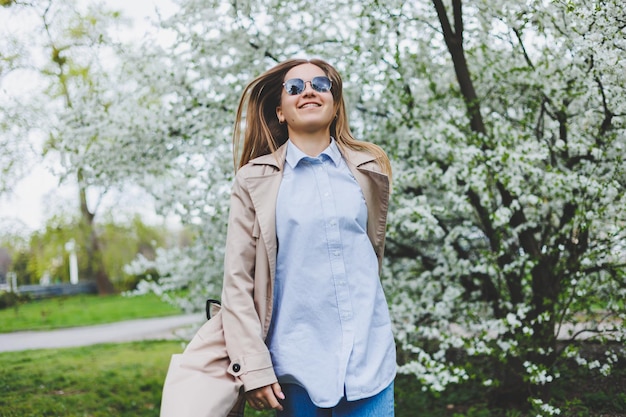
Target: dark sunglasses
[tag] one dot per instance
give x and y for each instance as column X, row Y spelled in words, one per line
column 295, row 86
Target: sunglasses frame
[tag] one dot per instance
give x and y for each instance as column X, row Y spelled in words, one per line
column 303, row 86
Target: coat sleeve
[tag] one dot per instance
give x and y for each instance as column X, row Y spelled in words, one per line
column 249, row 356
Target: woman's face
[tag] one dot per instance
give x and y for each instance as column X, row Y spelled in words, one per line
column 308, row 112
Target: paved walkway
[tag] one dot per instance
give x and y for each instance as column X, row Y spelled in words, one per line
column 171, row 327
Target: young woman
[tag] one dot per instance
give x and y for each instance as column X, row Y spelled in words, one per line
column 305, row 321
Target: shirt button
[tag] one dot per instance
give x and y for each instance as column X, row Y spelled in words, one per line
column 333, row 223
column 236, row 367
column 336, row 253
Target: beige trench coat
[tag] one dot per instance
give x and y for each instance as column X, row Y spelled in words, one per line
column 228, row 355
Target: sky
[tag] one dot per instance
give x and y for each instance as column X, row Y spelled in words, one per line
column 39, row 194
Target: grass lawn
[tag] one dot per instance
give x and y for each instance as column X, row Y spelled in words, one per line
column 81, row 310
column 96, row 381
column 126, row 379
column 101, row 380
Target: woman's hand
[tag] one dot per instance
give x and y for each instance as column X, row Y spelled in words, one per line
column 266, row 398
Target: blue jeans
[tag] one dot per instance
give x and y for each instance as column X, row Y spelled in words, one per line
column 297, row 403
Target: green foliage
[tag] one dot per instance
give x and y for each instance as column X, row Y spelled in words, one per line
column 21, row 266
column 11, row 299
column 82, row 310
column 46, row 251
column 249, row 412
column 474, row 412
column 124, row 242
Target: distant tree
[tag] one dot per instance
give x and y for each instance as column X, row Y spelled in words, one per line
column 17, row 154
column 123, row 242
column 68, row 56
column 45, row 252
column 15, row 242
column 5, row 264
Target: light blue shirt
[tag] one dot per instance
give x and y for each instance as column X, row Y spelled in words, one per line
column 330, row 331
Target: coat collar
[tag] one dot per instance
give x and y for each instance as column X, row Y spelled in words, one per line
column 355, row 157
column 277, row 158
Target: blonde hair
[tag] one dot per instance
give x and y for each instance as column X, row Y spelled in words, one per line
column 263, row 134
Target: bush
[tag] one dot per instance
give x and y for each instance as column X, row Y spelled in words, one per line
column 11, row 299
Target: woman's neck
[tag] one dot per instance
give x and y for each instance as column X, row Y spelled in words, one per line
column 311, row 144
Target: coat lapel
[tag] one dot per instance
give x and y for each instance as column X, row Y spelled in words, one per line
column 264, row 192
column 375, row 187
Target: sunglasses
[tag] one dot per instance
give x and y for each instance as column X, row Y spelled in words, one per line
column 295, row 86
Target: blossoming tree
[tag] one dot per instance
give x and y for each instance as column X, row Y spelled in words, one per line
column 55, row 56
column 505, row 124
column 508, row 228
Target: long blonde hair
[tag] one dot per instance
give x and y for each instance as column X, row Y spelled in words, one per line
column 263, row 134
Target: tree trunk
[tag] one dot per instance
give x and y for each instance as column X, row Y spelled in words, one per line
column 95, row 265
column 513, row 390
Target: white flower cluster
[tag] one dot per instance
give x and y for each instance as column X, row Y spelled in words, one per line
column 433, row 373
column 544, row 409
column 538, row 374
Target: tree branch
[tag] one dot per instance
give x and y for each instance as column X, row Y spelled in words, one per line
column 454, row 42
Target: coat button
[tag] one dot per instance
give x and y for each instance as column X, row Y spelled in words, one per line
column 236, row 367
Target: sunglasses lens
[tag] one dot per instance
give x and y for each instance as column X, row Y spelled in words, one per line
column 321, row 84
column 294, row 86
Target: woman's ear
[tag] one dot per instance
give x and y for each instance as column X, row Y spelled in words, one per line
column 279, row 114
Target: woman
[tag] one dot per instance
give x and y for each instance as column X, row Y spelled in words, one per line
column 305, row 321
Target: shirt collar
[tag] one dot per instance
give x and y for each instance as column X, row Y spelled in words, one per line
column 295, row 155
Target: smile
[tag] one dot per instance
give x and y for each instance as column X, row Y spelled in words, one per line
column 307, row 105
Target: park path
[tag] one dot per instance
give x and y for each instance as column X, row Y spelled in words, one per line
column 171, row 327
column 163, row 328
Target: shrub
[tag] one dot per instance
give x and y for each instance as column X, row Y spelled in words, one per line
column 11, row 299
